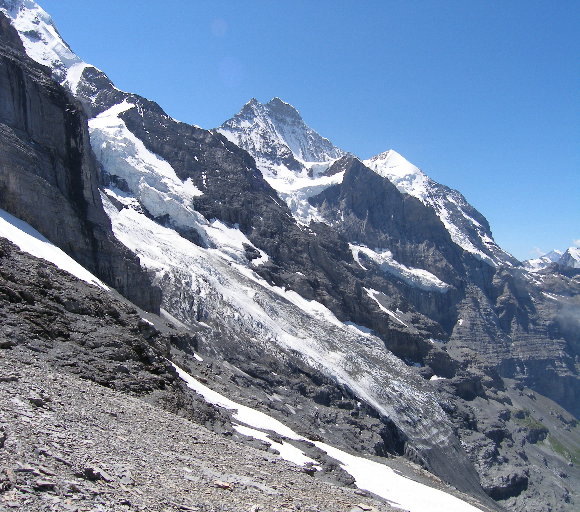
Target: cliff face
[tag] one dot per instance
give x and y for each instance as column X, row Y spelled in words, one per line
column 48, row 174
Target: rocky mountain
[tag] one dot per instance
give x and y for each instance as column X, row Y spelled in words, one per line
column 45, row 159
column 569, row 259
column 294, row 158
column 544, row 261
column 338, row 313
column 468, row 228
column 447, row 243
column 275, row 134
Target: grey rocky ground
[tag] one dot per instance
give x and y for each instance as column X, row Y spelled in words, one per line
column 70, row 444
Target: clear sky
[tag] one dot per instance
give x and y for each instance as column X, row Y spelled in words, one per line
column 483, row 95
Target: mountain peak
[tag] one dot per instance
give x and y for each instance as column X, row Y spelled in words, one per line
column 280, row 108
column 570, row 258
column 544, row 261
column 42, row 41
column 276, row 101
column 393, row 166
column 276, row 131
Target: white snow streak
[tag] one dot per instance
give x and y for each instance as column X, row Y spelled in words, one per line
column 287, row 451
column 369, row 475
column 373, row 294
column 31, row 241
column 417, row 277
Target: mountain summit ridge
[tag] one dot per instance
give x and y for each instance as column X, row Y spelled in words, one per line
column 275, row 134
column 279, row 124
column 368, row 329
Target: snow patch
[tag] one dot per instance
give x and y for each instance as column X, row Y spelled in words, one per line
column 287, row 451
column 370, row 475
column 374, row 294
column 398, row 490
column 243, row 414
column 31, row 241
column 417, row 277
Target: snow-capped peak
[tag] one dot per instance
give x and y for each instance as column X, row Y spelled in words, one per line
column 467, row 227
column 292, row 157
column 536, row 264
column 275, row 134
column 390, row 164
column 42, row 41
column 571, row 258
column 554, row 255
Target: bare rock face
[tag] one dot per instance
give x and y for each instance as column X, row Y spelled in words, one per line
column 48, row 174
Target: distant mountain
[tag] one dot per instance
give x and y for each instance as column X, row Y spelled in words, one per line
column 275, row 134
column 567, row 259
column 295, row 160
column 571, row 258
column 468, row 228
column 535, row 264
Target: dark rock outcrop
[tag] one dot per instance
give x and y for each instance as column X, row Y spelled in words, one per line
column 48, row 174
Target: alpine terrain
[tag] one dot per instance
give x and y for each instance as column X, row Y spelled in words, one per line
column 251, row 318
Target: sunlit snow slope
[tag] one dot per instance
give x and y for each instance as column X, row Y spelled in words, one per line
column 31, row 241
column 43, row 42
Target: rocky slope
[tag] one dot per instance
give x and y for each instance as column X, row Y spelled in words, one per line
column 314, row 320
column 87, row 383
column 118, row 453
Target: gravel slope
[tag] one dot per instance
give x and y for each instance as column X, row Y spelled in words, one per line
column 71, row 444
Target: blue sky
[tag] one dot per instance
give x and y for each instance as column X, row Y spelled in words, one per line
column 482, row 95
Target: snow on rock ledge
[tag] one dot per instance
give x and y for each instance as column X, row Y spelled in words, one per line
column 369, row 475
column 31, row 241
column 417, row 277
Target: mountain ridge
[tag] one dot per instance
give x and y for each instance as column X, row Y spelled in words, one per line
column 468, row 228
column 311, row 312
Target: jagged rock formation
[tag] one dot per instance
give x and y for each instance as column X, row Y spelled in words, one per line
column 277, row 137
column 309, row 272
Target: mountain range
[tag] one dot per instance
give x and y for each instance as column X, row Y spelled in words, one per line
column 360, row 305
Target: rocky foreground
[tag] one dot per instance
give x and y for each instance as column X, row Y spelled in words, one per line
column 69, row 444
